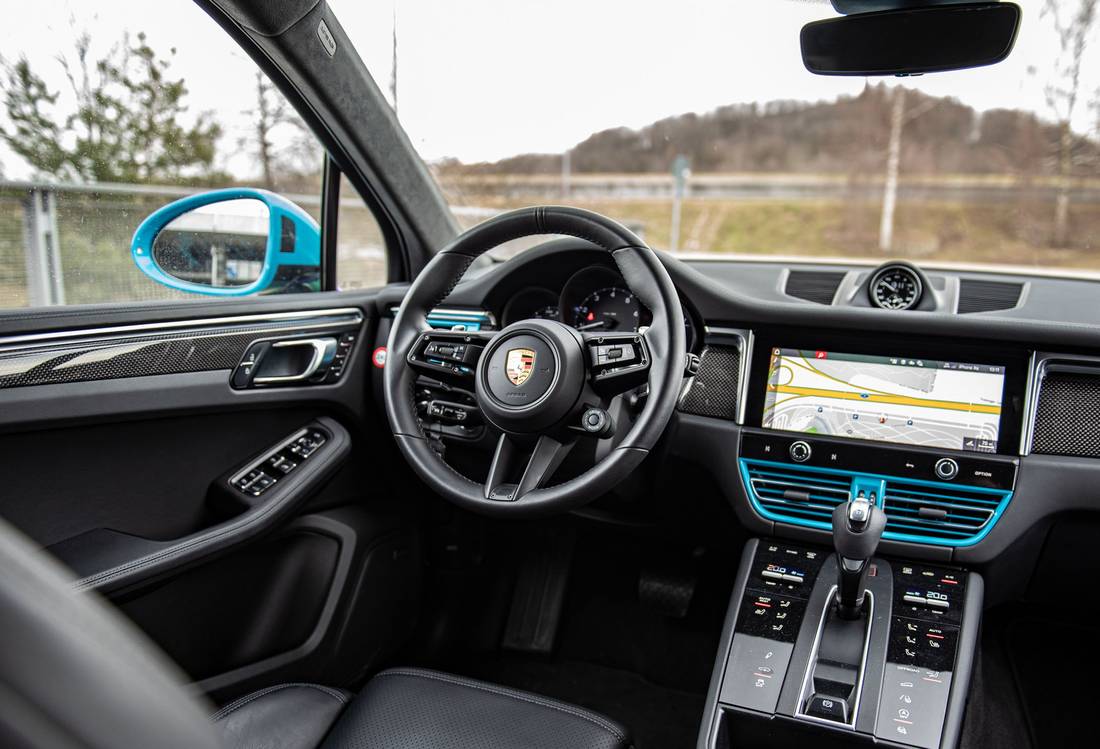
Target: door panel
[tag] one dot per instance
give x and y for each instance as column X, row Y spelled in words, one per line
column 125, row 448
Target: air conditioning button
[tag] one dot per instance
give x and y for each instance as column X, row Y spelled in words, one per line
column 800, row 451
column 946, row 469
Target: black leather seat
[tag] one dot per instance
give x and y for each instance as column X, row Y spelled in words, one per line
column 75, row 673
column 412, row 709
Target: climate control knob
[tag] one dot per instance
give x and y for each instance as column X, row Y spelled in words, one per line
column 800, row 451
column 946, row 469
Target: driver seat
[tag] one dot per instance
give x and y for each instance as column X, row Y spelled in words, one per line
column 412, row 709
column 74, row 673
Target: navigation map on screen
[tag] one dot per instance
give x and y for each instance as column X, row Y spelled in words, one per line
column 889, row 399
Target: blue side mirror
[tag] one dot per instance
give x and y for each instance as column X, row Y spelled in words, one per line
column 230, row 242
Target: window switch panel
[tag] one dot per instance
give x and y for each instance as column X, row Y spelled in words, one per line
column 278, row 462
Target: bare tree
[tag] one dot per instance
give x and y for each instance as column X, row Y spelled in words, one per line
column 278, row 155
column 1073, row 21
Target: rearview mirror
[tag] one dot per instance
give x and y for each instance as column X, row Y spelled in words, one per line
column 230, row 242
column 911, row 41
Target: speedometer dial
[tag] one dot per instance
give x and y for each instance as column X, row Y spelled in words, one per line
column 613, row 309
column 895, row 287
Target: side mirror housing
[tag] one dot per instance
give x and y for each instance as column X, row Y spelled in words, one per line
column 230, row 242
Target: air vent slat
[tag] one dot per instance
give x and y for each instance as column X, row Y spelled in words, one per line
column 933, row 511
column 767, row 492
column 813, row 286
column 792, row 476
column 939, row 499
column 807, row 513
column 987, row 296
column 924, row 527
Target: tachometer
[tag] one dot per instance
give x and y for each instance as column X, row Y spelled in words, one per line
column 613, row 309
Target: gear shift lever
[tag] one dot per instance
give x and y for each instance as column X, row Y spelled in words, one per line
column 857, row 528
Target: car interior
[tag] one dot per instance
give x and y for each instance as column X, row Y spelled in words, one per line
column 589, row 495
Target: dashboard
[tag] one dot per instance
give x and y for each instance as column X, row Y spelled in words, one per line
column 966, row 402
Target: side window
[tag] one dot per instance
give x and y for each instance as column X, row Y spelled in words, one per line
column 360, row 246
column 144, row 156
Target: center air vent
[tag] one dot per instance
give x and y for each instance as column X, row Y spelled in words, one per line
column 797, row 494
column 939, row 513
column 813, row 285
column 949, row 515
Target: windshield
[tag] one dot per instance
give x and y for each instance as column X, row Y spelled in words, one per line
column 696, row 124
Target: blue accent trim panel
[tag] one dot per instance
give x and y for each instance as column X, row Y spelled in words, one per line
column 828, row 487
column 446, row 323
column 306, row 250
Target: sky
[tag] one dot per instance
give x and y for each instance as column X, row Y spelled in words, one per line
column 485, row 79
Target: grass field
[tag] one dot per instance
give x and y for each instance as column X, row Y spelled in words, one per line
column 924, row 231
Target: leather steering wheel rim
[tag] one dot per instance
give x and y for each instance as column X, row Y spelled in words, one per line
column 647, row 279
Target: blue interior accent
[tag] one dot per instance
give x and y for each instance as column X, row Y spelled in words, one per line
column 813, row 492
column 472, row 321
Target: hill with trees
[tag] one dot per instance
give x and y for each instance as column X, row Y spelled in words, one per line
column 845, row 136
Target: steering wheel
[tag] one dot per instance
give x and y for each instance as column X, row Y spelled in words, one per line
column 543, row 384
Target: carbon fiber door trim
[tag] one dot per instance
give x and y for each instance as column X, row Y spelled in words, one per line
column 152, row 349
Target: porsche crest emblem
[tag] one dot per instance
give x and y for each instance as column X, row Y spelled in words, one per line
column 519, row 365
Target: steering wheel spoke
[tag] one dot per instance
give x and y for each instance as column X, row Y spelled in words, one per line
column 617, row 362
column 518, row 469
column 449, row 354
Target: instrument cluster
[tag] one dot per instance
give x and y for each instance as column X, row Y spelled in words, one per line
column 595, row 298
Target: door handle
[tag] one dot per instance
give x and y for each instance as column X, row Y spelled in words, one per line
column 323, row 350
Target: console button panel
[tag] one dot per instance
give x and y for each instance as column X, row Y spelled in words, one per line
column 924, row 633
column 771, row 612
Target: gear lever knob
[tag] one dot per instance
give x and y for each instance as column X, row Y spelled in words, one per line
column 857, row 529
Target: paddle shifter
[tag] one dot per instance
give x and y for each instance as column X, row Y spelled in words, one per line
column 857, row 528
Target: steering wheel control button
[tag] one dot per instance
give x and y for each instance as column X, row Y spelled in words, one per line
column 946, row 469
column 597, row 421
column 800, row 451
column 616, row 353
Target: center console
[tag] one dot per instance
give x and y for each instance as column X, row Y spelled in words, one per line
column 832, row 639
column 791, row 667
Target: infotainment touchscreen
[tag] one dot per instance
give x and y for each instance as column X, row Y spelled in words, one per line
column 890, row 399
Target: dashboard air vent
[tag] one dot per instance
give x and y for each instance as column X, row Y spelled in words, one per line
column 950, row 514
column 918, row 511
column 804, row 496
column 813, row 286
column 987, row 296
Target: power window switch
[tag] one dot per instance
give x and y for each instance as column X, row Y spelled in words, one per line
column 286, row 466
column 261, row 484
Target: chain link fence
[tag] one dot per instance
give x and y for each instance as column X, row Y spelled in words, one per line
column 70, row 244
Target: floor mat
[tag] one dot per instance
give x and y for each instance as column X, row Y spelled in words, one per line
column 1055, row 667
column 660, row 718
